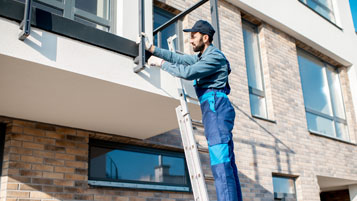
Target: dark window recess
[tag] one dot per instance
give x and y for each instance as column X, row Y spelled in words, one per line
column 121, row 165
column 161, row 16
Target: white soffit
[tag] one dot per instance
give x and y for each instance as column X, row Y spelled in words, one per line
column 37, row 92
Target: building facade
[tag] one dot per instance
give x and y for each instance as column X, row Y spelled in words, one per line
column 77, row 123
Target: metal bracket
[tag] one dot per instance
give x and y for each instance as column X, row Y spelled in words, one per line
column 141, row 57
column 25, row 25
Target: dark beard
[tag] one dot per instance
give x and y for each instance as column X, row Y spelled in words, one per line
column 199, row 47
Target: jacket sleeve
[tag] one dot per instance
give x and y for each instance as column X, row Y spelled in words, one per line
column 208, row 65
column 174, row 57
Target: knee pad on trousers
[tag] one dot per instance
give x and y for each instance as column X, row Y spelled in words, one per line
column 219, row 153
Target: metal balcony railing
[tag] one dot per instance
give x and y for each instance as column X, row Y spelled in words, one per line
column 215, row 24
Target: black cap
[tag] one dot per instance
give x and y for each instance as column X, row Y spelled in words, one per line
column 203, row 27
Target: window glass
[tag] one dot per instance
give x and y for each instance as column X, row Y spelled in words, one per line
column 323, row 7
column 99, row 8
column 131, row 164
column 252, row 57
column 254, row 71
column 284, row 188
column 342, row 132
column 93, row 13
column 160, row 17
column 320, row 124
column 257, row 105
column 325, row 112
column 89, row 23
column 314, row 84
column 336, row 93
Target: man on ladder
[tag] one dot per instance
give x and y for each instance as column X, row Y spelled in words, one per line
column 209, row 70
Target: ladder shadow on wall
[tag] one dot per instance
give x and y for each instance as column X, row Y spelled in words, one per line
column 279, row 147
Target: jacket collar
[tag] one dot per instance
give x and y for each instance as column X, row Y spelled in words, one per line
column 209, row 49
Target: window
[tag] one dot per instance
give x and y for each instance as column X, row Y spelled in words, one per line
column 284, row 188
column 323, row 7
column 94, row 13
column 120, row 165
column 323, row 99
column 2, row 143
column 254, row 71
column 160, row 39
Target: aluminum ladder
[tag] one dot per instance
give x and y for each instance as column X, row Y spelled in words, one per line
column 188, row 140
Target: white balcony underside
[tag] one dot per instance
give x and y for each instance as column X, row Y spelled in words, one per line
column 37, row 92
column 58, row 80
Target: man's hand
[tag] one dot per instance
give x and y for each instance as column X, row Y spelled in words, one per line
column 148, row 44
column 155, row 61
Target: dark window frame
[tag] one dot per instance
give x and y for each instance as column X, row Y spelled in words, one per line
column 92, row 181
column 14, row 10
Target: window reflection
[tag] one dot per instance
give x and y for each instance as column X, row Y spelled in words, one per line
column 325, row 113
column 161, row 17
column 323, row 7
column 128, row 165
column 254, row 71
column 284, row 188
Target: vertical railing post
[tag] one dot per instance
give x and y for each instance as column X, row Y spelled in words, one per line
column 25, row 25
column 141, row 64
column 215, row 23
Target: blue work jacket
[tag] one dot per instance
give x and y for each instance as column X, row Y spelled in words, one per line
column 210, row 69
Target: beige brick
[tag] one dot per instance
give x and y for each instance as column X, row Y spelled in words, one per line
column 30, row 187
column 46, row 181
column 19, row 165
column 75, row 177
column 33, row 131
column 76, row 164
column 22, row 137
column 31, row 145
column 42, row 167
column 55, row 135
column 66, row 130
column 63, row 182
column 20, row 150
column 42, row 140
column 50, row 161
column 31, row 159
column 42, row 195
column 42, row 154
column 30, row 173
column 80, row 152
column 18, row 194
column 12, row 186
column 53, row 175
column 65, row 156
column 52, row 189
column 64, row 169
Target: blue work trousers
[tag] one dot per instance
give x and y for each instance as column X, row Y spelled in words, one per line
column 218, row 121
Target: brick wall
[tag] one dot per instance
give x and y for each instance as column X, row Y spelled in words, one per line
column 46, row 162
